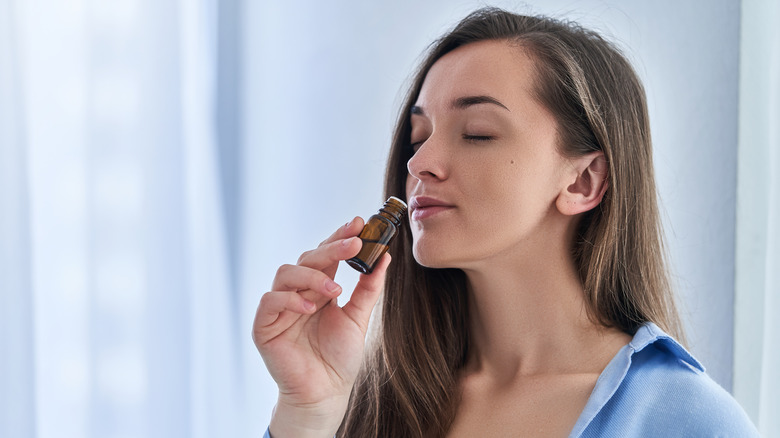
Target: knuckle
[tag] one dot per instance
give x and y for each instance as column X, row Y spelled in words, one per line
column 265, row 298
column 303, row 256
column 336, row 247
column 315, row 278
column 283, row 270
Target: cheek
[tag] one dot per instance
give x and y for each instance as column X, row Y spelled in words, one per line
column 498, row 187
column 512, row 196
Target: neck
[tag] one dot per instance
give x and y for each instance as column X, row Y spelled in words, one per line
column 528, row 316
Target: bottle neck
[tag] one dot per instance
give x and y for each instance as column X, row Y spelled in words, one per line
column 393, row 216
column 394, row 210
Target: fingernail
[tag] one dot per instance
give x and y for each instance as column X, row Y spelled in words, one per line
column 308, row 305
column 349, row 223
column 331, row 286
column 347, row 242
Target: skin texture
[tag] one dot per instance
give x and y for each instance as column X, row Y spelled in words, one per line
column 510, row 205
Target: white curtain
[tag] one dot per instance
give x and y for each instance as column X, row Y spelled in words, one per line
column 117, row 309
column 757, row 327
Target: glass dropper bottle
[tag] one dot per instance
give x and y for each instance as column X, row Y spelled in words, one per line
column 377, row 234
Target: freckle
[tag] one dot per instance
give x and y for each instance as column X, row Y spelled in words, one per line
column 511, row 161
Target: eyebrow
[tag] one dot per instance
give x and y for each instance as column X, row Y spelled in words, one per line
column 465, row 102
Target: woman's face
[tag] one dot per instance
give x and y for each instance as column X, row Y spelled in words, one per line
column 486, row 172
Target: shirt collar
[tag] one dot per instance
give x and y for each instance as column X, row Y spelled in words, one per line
column 650, row 333
column 613, row 375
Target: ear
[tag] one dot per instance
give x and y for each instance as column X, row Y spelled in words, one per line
column 585, row 185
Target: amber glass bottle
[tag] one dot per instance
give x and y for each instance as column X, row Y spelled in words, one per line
column 377, row 234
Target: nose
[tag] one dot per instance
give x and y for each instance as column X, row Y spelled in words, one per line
column 430, row 161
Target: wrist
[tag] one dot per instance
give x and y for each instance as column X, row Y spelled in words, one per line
column 321, row 420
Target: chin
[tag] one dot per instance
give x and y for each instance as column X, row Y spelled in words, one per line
column 433, row 256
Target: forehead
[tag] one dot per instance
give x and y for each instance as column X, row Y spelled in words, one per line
column 499, row 69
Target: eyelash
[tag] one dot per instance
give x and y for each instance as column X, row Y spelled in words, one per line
column 477, row 138
column 470, row 138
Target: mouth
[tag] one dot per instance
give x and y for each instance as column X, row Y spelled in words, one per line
column 424, row 207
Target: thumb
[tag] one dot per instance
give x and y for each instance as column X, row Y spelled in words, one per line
column 366, row 294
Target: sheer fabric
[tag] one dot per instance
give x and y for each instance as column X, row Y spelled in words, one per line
column 117, row 304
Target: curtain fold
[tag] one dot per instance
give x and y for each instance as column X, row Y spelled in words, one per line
column 215, row 373
column 17, row 401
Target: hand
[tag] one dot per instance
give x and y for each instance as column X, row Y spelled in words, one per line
column 312, row 347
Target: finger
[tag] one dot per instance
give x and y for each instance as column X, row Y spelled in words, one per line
column 272, row 304
column 367, row 293
column 295, row 278
column 329, row 254
column 351, row 228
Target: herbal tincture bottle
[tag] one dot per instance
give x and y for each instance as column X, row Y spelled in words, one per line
column 377, row 233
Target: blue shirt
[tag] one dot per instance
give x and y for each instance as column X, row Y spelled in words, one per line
column 654, row 388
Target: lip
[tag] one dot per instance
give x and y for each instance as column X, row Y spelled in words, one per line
column 423, row 207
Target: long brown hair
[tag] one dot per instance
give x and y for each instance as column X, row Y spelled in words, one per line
column 408, row 387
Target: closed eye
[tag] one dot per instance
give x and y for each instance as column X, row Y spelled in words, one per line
column 477, row 138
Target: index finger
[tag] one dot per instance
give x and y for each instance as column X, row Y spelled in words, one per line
column 351, row 228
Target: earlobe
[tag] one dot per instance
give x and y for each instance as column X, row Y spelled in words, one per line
column 590, row 174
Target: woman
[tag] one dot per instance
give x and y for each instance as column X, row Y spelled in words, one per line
column 529, row 295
